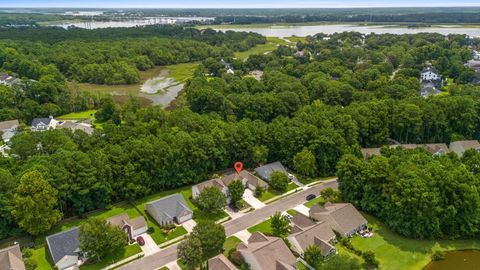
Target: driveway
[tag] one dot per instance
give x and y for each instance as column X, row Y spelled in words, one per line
column 189, row 225
column 243, row 235
column 169, row 254
column 250, row 199
column 302, row 209
column 173, row 266
column 232, row 212
column 150, row 246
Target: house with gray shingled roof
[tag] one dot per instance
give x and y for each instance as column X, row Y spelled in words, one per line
column 343, row 218
column 265, row 171
column 64, row 248
column 169, row 210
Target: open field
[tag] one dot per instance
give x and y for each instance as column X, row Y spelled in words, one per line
column 395, row 252
column 271, row 45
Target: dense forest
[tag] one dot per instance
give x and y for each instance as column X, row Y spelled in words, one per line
column 342, row 93
column 46, row 57
column 418, row 195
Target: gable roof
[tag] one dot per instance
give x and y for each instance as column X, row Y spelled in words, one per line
column 436, row 148
column 266, row 170
column 45, row 121
column 64, row 244
column 369, row 152
column 302, row 221
column 74, row 126
column 318, row 234
column 459, row 147
column 122, row 219
column 170, row 206
column 342, row 217
column 228, row 178
column 270, row 253
column 8, row 124
column 220, row 262
column 11, row 258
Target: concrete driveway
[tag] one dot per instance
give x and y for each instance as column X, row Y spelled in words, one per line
column 150, row 246
column 302, row 209
column 243, row 235
column 250, row 199
column 189, row 225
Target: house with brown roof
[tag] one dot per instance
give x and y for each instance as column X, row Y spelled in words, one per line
column 437, row 149
column 459, row 147
column 132, row 227
column 267, row 253
column 249, row 180
column 11, row 258
column 343, row 218
column 8, row 129
column 305, row 233
column 220, row 262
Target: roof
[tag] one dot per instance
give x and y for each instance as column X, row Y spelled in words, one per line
column 428, row 69
column 302, row 221
column 37, row 121
column 228, row 178
column 210, row 183
column 63, row 244
column 368, row 152
column 171, row 206
column 436, row 148
column 11, row 258
column 8, row 124
column 74, row 126
column 270, row 253
column 122, row 219
column 342, row 217
column 266, row 170
column 220, row 262
column 314, row 235
column 459, row 147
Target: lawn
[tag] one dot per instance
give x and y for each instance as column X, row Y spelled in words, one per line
column 271, row 45
column 292, row 212
column 89, row 114
column 182, row 72
column 230, row 243
column 396, row 252
column 311, row 203
column 129, row 251
column 263, row 227
column 271, row 193
column 41, row 258
column 301, row 266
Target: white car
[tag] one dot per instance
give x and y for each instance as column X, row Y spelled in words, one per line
column 290, row 176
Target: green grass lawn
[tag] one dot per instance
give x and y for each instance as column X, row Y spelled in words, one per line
column 311, row 203
column 89, row 114
column 292, row 212
column 301, row 266
column 182, row 72
column 271, row 193
column 230, row 243
column 271, row 45
column 160, row 237
column 41, row 258
column 129, row 251
column 396, row 252
column 263, row 227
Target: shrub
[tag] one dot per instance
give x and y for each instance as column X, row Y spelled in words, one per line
column 258, row 191
column 150, row 230
column 438, row 255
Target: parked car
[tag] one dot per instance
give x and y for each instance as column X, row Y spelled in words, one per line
column 290, row 176
column 140, row 241
column 311, row 197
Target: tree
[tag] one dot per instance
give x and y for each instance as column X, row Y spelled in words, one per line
column 260, row 154
column 190, row 252
column 279, row 181
column 369, row 260
column 34, row 204
column 330, row 195
column 280, row 225
column 236, row 190
column 7, row 184
column 313, row 256
column 99, row 238
column 211, row 199
column 342, row 262
column 211, row 236
column 304, row 163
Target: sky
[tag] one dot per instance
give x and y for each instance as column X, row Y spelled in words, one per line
column 233, row 4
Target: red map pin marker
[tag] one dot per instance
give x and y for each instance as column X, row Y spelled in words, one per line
column 238, row 166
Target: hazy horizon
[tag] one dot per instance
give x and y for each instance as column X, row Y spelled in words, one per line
column 225, row 4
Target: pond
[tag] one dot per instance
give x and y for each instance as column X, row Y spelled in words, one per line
column 305, row 30
column 458, row 260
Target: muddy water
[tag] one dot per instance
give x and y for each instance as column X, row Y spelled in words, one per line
column 457, row 260
column 161, row 89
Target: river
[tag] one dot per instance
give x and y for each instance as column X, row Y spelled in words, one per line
column 306, row 30
column 458, row 260
column 128, row 23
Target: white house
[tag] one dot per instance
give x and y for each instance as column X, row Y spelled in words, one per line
column 42, row 124
column 430, row 74
column 8, row 80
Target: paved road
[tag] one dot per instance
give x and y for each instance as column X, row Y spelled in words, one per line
column 169, row 254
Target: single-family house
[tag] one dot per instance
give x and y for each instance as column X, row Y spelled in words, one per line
column 249, row 180
column 169, row 210
column 344, row 218
column 73, row 125
column 267, row 253
column 42, row 124
column 430, row 74
column 132, row 227
column 474, row 65
column 11, row 258
column 369, row 152
column 8, row 129
column 228, row 67
column 305, row 233
column 459, row 147
column 8, row 80
column 437, row 149
column 220, row 262
column 257, row 74
column 64, row 247
column 265, row 171
column 429, row 88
